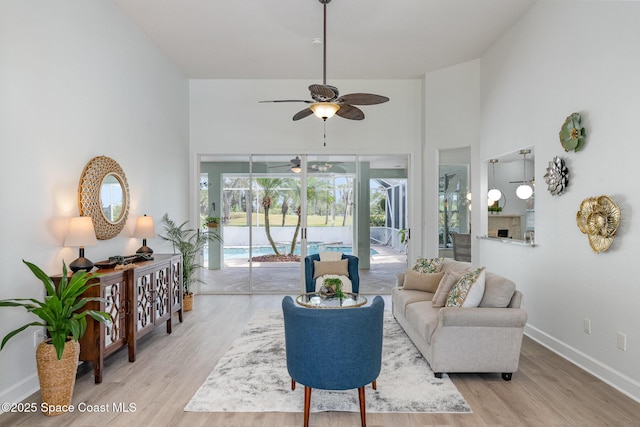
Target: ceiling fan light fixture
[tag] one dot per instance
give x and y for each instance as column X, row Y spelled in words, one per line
column 324, row 110
column 296, row 169
column 524, row 190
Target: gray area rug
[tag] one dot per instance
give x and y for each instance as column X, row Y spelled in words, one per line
column 252, row 377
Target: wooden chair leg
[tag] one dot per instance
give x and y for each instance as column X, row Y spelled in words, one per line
column 307, row 405
column 293, row 384
column 374, row 385
column 363, row 416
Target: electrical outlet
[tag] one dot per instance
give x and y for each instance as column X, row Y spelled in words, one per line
column 586, row 324
column 622, row 341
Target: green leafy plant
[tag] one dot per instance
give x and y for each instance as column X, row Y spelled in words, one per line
column 212, row 221
column 60, row 310
column 403, row 233
column 336, row 284
column 189, row 243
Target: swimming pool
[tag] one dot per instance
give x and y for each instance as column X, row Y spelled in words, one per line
column 314, row 248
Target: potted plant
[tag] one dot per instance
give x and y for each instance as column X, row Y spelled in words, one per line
column 212, row 221
column 189, row 243
column 333, row 286
column 57, row 357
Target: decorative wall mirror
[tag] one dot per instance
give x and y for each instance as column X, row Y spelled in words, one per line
column 511, row 217
column 103, row 194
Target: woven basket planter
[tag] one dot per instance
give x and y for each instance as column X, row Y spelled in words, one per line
column 187, row 302
column 57, row 377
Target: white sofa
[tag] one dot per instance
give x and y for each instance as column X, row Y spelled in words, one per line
column 482, row 339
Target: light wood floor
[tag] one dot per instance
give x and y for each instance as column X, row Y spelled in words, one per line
column 547, row 391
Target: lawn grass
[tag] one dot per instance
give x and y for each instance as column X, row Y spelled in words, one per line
column 239, row 219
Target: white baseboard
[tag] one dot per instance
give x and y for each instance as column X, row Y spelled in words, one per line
column 615, row 379
column 20, row 391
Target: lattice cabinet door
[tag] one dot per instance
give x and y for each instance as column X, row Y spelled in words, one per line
column 115, row 332
column 176, row 285
column 145, row 292
column 162, row 295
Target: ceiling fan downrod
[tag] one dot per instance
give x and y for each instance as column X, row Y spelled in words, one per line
column 324, row 42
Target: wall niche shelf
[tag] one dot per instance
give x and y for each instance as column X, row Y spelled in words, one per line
column 508, row 241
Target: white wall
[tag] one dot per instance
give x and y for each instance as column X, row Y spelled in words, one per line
column 452, row 120
column 78, row 80
column 560, row 58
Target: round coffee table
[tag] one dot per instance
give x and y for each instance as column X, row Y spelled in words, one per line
column 315, row 300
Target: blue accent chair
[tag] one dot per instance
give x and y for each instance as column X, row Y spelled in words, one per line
column 333, row 349
column 352, row 267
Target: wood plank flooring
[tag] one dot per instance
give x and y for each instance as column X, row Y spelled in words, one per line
column 547, row 391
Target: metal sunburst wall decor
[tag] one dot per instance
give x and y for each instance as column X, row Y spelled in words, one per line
column 557, row 176
column 599, row 218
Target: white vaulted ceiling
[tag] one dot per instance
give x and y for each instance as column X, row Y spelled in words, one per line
column 366, row 39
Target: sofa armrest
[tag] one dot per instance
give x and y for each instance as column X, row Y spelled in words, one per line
column 482, row 317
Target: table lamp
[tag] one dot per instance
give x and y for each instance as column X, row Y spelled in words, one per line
column 81, row 233
column 145, row 230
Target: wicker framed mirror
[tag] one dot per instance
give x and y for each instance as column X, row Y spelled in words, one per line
column 103, row 194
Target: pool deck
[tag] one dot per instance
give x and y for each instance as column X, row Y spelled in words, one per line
column 286, row 277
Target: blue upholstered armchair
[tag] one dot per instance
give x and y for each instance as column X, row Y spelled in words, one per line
column 333, row 349
column 352, row 267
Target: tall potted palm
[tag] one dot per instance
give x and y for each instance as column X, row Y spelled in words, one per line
column 189, row 242
column 60, row 313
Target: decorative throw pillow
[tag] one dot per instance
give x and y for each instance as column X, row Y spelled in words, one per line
column 330, row 256
column 468, row 291
column 449, row 279
column 428, row 265
column 421, row 281
column 320, row 268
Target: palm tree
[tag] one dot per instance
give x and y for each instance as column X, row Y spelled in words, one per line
column 269, row 187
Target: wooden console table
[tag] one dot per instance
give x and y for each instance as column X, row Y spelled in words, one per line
column 138, row 299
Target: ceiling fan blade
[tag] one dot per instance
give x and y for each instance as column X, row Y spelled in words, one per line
column 302, row 114
column 350, row 112
column 362, row 99
column 289, row 100
column 323, row 92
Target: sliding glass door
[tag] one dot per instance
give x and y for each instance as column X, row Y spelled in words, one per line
column 276, row 209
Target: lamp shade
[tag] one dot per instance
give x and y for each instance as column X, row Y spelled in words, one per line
column 324, row 110
column 81, row 232
column 144, row 227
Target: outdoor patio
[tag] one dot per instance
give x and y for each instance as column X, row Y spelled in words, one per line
column 285, row 277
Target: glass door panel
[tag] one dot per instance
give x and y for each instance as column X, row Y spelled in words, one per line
column 275, row 223
column 330, row 206
column 225, row 194
column 382, row 220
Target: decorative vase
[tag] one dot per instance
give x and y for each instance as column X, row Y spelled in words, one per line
column 57, row 377
column 187, row 302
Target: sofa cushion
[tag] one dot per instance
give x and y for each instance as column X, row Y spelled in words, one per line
column 498, row 291
column 449, row 279
column 423, row 318
column 321, row 268
column 428, row 265
column 452, row 265
column 427, row 282
column 468, row 291
column 404, row 297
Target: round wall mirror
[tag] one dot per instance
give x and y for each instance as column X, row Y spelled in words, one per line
column 103, row 195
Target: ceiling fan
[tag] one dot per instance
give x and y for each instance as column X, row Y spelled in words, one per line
column 295, row 166
column 326, row 100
